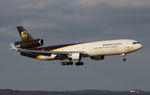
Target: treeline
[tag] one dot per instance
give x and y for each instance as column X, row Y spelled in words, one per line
column 86, row 92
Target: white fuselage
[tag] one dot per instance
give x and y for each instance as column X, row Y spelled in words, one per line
column 101, row 48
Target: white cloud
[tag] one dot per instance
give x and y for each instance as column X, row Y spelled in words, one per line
column 114, row 3
column 7, row 32
column 127, row 3
column 37, row 5
column 89, row 2
column 40, row 24
column 47, row 25
column 26, row 23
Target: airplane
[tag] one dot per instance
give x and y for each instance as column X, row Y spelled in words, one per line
column 31, row 47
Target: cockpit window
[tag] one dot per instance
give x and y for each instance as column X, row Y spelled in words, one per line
column 135, row 42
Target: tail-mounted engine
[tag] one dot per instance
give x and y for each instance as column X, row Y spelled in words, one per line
column 29, row 44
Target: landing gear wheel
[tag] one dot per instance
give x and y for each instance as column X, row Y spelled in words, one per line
column 66, row 63
column 124, row 59
column 79, row 63
column 70, row 63
column 63, row 63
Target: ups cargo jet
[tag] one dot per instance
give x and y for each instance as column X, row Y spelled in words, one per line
column 30, row 47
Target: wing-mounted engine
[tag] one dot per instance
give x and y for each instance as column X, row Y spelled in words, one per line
column 29, row 44
column 74, row 56
column 97, row 57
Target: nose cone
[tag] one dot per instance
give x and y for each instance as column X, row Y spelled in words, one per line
column 139, row 46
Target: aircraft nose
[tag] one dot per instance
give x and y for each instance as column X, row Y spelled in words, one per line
column 137, row 46
column 140, row 46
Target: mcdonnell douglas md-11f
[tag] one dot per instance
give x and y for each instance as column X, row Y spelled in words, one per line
column 30, row 47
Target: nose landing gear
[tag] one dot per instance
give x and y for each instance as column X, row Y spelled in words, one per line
column 124, row 57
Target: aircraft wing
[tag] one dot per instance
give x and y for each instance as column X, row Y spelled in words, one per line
column 13, row 47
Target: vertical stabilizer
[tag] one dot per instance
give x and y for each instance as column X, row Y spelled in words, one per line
column 25, row 36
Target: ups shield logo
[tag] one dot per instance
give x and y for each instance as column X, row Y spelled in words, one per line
column 24, row 35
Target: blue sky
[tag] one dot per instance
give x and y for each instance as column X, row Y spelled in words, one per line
column 67, row 21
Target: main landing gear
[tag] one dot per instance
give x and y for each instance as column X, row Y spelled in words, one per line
column 67, row 63
column 79, row 63
column 124, row 57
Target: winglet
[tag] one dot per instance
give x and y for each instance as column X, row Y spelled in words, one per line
column 13, row 47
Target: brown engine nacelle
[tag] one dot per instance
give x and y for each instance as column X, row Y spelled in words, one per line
column 29, row 44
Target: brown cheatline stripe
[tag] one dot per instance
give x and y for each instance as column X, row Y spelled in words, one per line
column 65, row 47
column 39, row 56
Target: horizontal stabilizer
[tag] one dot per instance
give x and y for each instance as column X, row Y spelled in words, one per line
column 13, row 47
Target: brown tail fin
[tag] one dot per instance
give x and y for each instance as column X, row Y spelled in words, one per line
column 25, row 36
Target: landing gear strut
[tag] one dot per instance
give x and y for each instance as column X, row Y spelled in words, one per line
column 124, row 57
column 71, row 63
column 79, row 63
column 64, row 63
